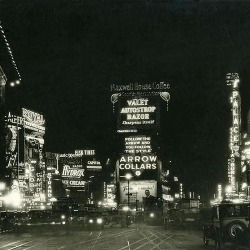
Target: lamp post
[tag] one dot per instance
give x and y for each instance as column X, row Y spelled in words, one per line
column 128, row 176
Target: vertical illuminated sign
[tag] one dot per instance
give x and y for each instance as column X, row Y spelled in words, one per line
column 234, row 139
column 49, row 185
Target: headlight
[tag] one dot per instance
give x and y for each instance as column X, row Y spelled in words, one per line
column 90, row 221
column 63, row 222
column 63, row 217
column 53, row 223
column 152, row 215
column 99, row 221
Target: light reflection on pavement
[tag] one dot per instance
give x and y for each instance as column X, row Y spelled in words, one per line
column 137, row 236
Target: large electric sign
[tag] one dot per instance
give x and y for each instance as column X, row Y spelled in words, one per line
column 234, row 140
column 138, row 112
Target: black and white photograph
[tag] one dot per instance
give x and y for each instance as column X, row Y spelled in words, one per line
column 124, row 124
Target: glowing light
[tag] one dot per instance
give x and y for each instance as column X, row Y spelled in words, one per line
column 91, row 221
column 125, row 208
column 99, row 221
column 237, row 201
column 229, row 189
column 152, row 215
column 9, row 50
column 12, row 84
column 2, row 186
column 63, row 217
column 13, row 198
column 244, row 185
column 17, row 82
column 137, row 173
column 128, row 176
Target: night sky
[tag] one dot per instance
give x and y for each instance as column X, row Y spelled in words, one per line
column 70, row 52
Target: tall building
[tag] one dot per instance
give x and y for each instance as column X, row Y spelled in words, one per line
column 138, row 159
column 25, row 155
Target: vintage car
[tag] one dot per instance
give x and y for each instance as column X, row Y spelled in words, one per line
column 228, row 223
column 174, row 218
column 41, row 220
column 78, row 218
column 7, row 221
column 94, row 219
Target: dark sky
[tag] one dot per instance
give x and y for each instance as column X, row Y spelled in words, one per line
column 69, row 52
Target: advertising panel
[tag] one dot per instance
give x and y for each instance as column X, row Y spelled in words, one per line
column 143, row 166
column 130, row 87
column 71, row 170
column 137, row 144
column 94, row 165
column 137, row 113
column 137, row 190
column 85, row 152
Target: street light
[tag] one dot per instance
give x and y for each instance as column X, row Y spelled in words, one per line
column 128, row 176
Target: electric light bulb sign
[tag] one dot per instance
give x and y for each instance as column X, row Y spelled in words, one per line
column 141, row 167
column 137, row 112
column 234, row 137
column 71, row 170
column 137, row 144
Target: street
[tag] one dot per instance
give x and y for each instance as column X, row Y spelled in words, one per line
column 137, row 236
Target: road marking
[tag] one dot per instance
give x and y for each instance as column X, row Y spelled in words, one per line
column 148, row 239
column 30, row 247
column 12, row 243
column 164, row 240
column 164, row 235
column 142, row 244
column 95, row 240
column 106, row 237
column 128, row 245
column 20, row 245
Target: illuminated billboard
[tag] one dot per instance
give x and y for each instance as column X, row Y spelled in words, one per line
column 137, row 190
column 137, row 113
column 235, row 130
column 71, row 170
column 137, row 144
column 142, row 166
column 130, row 87
column 94, row 165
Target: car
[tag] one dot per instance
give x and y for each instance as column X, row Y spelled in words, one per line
column 228, row 223
column 7, row 221
column 41, row 220
column 94, row 219
column 153, row 218
column 126, row 218
column 78, row 218
column 174, row 218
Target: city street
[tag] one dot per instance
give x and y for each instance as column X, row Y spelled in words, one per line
column 137, row 236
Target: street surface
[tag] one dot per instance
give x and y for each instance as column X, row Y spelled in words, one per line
column 137, row 236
